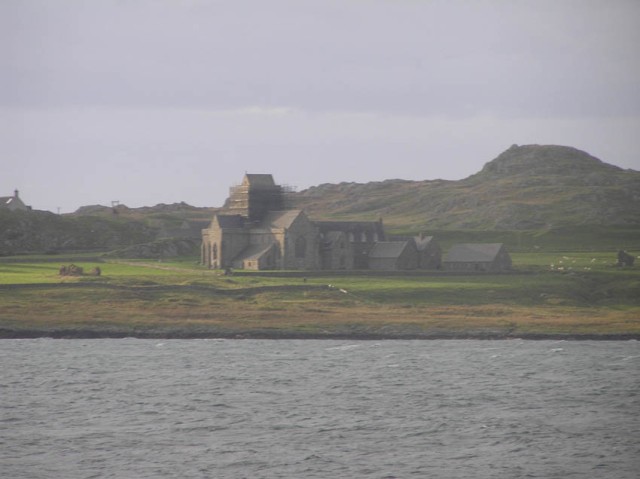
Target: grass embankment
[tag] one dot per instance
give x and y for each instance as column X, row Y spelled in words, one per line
column 584, row 296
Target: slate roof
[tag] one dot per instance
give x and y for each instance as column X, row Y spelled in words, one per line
column 229, row 221
column 12, row 202
column 280, row 219
column 253, row 179
column 473, row 253
column 388, row 249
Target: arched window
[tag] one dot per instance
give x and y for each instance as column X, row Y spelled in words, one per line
column 301, row 247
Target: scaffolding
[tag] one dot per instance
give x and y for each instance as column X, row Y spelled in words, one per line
column 255, row 201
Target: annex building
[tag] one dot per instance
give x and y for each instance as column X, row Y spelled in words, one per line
column 258, row 231
column 478, row 257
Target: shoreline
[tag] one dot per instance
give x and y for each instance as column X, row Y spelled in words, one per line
column 292, row 335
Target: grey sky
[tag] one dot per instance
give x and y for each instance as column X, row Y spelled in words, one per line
column 155, row 101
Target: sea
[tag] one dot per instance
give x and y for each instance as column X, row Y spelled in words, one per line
column 131, row 408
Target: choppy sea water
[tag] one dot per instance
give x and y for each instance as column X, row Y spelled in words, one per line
column 319, row 409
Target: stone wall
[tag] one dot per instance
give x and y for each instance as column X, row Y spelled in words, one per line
column 301, row 246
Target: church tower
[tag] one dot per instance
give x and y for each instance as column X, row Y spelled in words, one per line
column 255, row 197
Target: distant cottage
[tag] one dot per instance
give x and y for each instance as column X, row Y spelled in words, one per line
column 469, row 257
column 258, row 231
column 13, row 203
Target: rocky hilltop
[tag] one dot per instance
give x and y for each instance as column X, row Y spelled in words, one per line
column 525, row 188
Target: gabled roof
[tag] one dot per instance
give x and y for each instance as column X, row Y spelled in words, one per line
column 280, row 219
column 228, row 221
column 12, row 202
column 388, row 249
column 252, row 179
column 422, row 242
column 473, row 252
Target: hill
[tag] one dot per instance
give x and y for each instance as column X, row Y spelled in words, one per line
column 41, row 231
column 529, row 187
column 528, row 197
column 157, row 231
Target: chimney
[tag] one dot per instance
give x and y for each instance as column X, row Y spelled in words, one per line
column 15, row 193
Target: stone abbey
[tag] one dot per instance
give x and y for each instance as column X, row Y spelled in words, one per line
column 258, row 231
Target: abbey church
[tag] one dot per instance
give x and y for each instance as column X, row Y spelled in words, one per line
column 258, row 231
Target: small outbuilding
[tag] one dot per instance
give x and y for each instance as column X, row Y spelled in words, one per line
column 476, row 257
column 429, row 252
column 393, row 256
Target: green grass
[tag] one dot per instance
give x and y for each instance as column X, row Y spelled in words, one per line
column 567, row 261
column 180, row 297
column 29, row 273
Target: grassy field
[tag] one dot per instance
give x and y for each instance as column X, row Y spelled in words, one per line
column 549, row 295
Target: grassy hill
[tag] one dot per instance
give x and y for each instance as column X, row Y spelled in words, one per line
column 162, row 229
column 529, row 197
column 525, row 188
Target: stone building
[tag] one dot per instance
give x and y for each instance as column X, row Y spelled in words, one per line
column 394, row 256
column 255, row 232
column 429, row 251
column 255, row 197
column 13, row 203
column 258, row 230
column 336, row 251
column 359, row 237
column 470, row 257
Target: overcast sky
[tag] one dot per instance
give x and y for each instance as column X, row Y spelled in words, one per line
column 159, row 101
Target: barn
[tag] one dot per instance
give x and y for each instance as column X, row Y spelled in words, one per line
column 475, row 257
column 393, row 256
